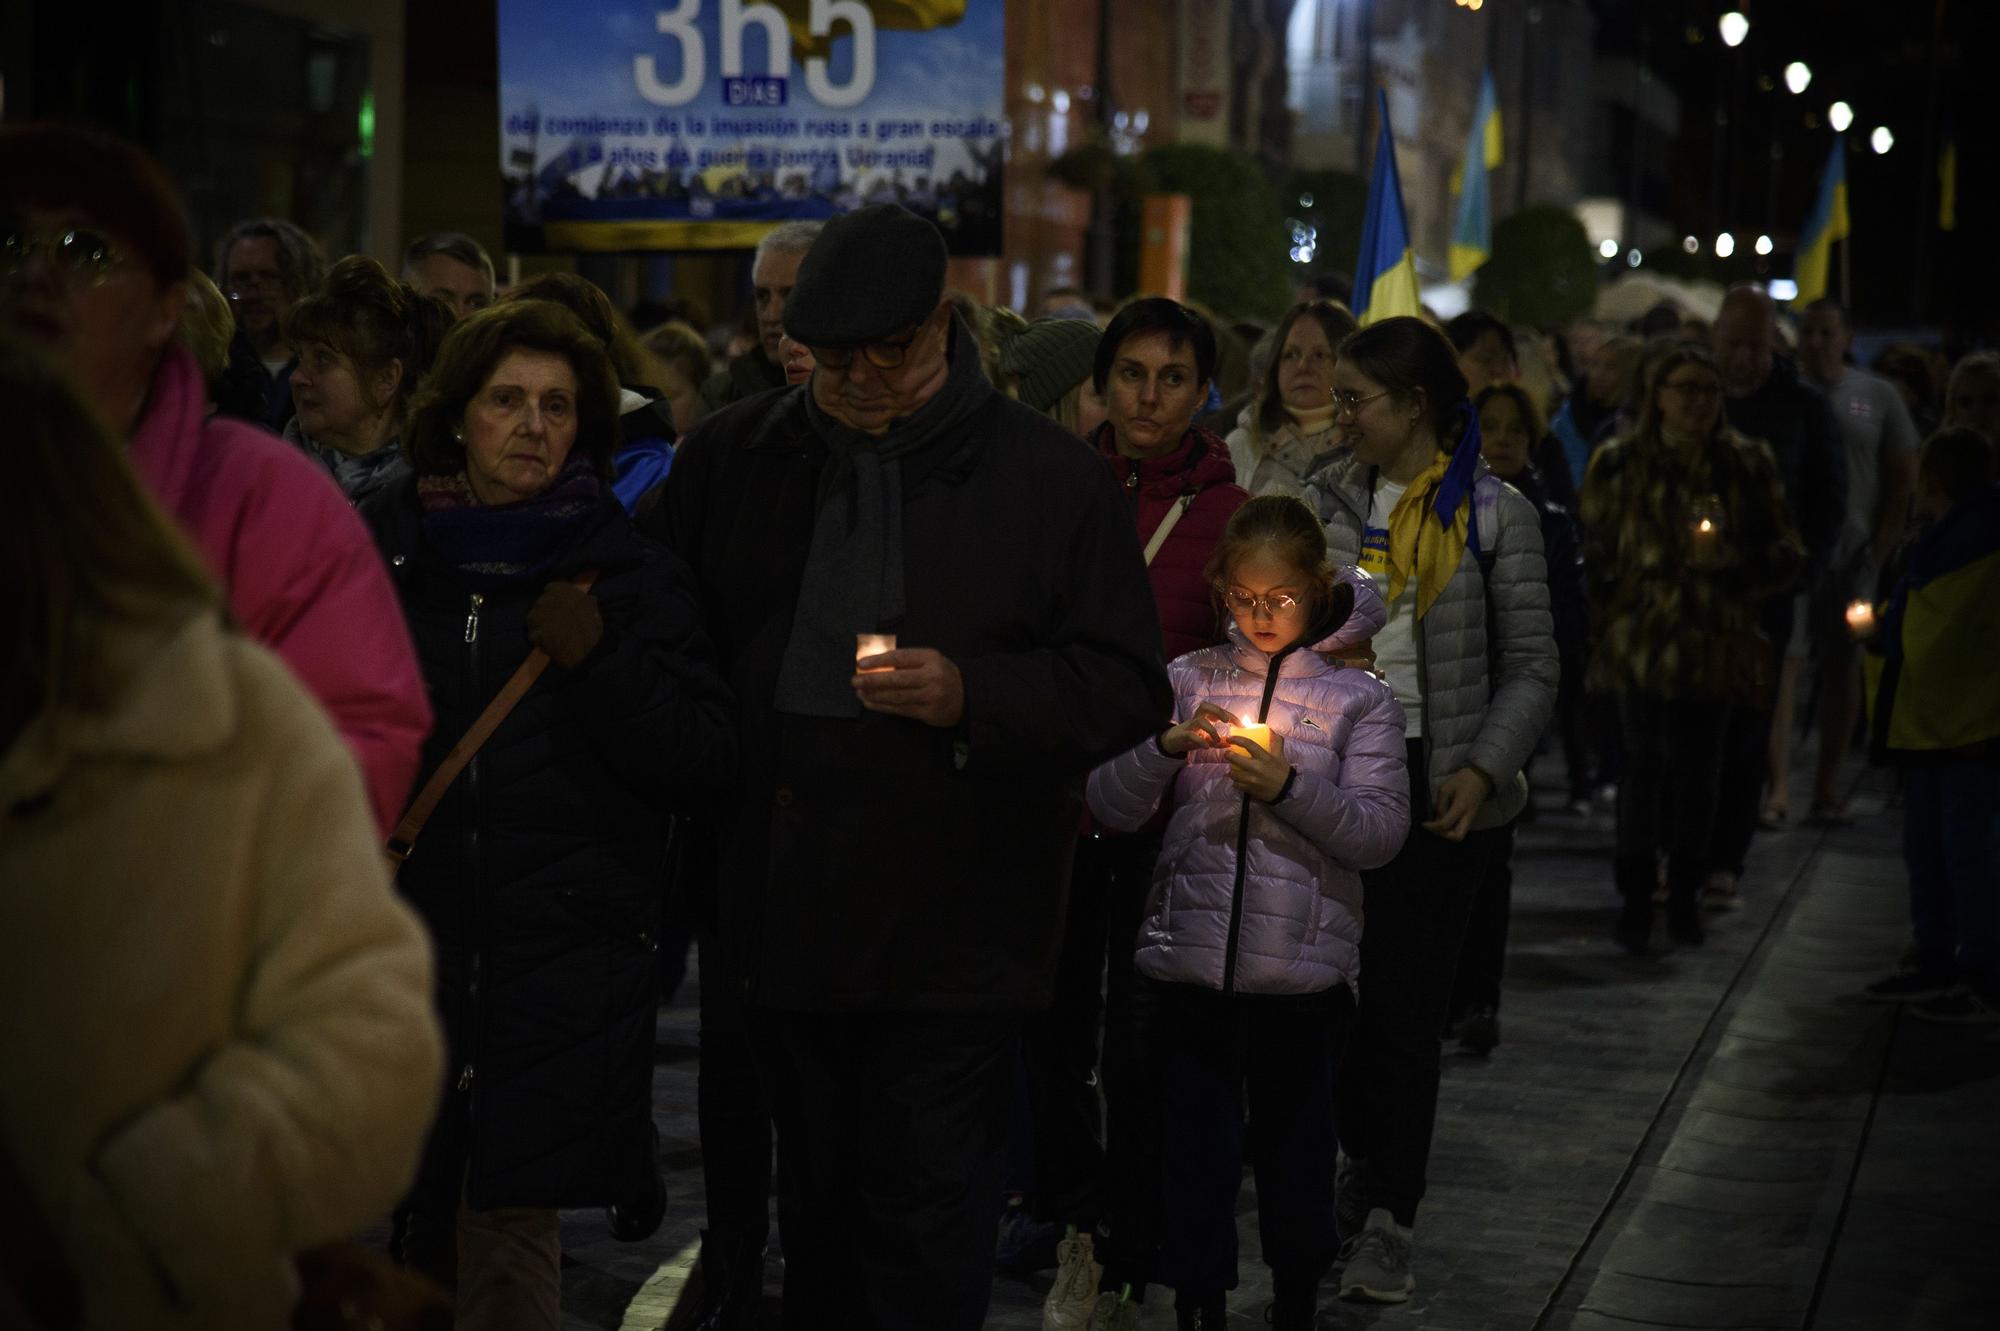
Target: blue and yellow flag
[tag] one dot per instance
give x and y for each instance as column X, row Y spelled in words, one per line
column 1385, row 277
column 1827, row 224
column 1472, row 234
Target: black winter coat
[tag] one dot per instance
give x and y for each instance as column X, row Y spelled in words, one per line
column 879, row 863
column 539, row 874
column 1569, row 599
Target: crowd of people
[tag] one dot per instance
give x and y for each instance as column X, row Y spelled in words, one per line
column 1085, row 751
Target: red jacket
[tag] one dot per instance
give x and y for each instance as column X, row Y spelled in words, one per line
column 1199, row 471
column 301, row 573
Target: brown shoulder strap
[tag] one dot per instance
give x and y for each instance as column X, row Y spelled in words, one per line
column 404, row 838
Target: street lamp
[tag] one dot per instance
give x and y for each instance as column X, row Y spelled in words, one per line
column 1734, row 28
column 1840, row 115
column 1764, row 245
column 1881, row 140
column 1633, row 258
column 1689, row 245
column 1797, row 77
column 1608, row 248
column 1725, row 245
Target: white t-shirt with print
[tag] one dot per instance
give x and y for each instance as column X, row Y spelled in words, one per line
column 1396, row 643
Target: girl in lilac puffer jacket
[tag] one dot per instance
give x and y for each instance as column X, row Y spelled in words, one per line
column 1251, row 939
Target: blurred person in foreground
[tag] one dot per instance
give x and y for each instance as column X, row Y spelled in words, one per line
column 1686, row 535
column 453, row 267
column 1937, row 716
column 93, row 270
column 773, row 273
column 646, row 433
column 893, row 864
column 365, row 343
column 216, row 1025
column 265, row 266
column 1881, row 446
column 1287, row 428
column 538, row 874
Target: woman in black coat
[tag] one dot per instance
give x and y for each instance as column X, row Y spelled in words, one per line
column 538, row 874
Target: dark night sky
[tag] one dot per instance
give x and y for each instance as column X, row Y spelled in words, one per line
column 1880, row 57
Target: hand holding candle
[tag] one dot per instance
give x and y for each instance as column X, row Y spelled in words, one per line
column 867, row 645
column 920, row 683
column 1257, row 763
column 1706, row 547
column 1861, row 620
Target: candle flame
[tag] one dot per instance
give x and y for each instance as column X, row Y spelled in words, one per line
column 1707, row 526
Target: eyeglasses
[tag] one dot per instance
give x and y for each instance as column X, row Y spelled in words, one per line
column 1273, row 604
column 1346, row 403
column 79, row 256
column 882, row 355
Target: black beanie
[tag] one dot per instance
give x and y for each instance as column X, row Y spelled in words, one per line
column 871, row 274
column 1050, row 357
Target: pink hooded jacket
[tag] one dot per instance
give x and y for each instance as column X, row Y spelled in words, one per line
column 1274, row 906
column 302, row 576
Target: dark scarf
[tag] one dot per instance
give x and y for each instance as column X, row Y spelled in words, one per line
column 508, row 543
column 853, row 581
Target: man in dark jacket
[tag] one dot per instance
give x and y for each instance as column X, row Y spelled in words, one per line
column 895, row 857
column 772, row 275
column 1764, row 399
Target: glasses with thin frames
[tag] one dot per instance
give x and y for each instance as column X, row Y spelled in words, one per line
column 1273, row 604
column 1346, row 402
column 882, row 355
column 82, row 257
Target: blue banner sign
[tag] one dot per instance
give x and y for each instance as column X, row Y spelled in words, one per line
column 701, row 124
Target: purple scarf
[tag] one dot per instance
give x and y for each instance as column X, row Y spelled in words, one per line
column 507, row 543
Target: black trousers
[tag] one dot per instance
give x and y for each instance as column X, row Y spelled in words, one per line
column 734, row 1114
column 1060, row 1047
column 1417, row 908
column 1746, row 756
column 1482, row 961
column 892, row 1128
column 1212, row 1057
column 1669, row 800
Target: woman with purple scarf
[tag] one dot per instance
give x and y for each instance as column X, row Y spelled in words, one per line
column 538, row 873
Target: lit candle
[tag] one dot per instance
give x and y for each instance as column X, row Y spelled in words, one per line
column 873, row 644
column 1861, row 619
column 1705, row 517
column 1255, row 732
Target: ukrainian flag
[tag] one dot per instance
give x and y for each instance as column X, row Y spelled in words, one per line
column 1385, row 278
column 1827, row 224
column 1472, row 234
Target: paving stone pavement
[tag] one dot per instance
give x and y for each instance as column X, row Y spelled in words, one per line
column 1711, row 1137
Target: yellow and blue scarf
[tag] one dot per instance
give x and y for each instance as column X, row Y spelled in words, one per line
column 1445, row 489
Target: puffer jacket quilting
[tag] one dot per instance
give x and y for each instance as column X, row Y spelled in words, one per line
column 1349, row 810
column 1469, row 720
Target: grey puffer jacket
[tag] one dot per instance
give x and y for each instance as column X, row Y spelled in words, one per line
column 1258, row 898
column 1484, row 706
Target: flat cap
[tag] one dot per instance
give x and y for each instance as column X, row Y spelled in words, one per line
column 872, row 273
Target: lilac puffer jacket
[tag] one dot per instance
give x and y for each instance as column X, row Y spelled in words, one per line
column 1285, row 917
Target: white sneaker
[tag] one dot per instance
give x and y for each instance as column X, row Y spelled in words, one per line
column 1072, row 1301
column 1378, row 1262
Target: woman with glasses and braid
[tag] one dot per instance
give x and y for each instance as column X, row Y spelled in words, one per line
column 93, row 265
column 1469, row 649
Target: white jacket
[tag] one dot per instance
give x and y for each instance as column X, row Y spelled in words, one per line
column 215, row 1026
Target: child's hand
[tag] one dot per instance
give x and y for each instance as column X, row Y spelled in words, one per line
column 1198, row 731
column 1259, row 773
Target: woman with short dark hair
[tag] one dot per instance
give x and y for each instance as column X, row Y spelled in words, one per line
column 538, row 873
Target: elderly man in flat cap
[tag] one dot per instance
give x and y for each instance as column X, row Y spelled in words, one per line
column 893, row 860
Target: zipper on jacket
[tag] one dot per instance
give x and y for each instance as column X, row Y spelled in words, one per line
column 1243, row 838
column 472, row 618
